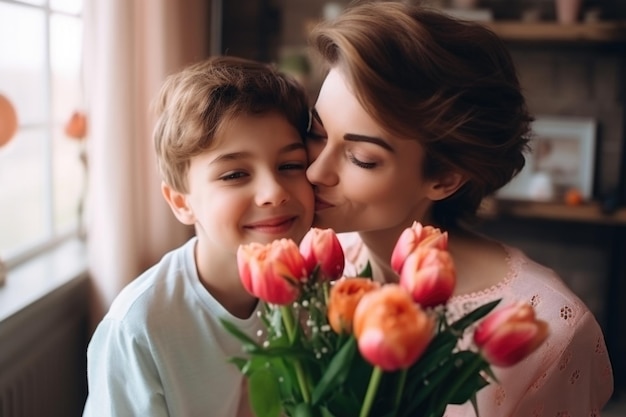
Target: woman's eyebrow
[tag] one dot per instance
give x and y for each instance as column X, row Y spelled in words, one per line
column 352, row 137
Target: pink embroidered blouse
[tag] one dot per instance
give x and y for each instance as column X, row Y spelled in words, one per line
column 569, row 375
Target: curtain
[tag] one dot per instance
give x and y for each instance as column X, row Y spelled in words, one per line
column 130, row 46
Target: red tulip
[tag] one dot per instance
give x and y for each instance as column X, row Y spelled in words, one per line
column 345, row 295
column 272, row 272
column 429, row 276
column 76, row 127
column 508, row 335
column 414, row 237
column 391, row 330
column 321, row 247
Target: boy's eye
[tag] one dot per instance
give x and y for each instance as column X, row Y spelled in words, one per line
column 233, row 176
column 361, row 164
column 298, row 166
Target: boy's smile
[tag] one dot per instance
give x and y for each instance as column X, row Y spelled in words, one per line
column 277, row 225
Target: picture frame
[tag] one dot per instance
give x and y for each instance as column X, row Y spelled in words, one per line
column 561, row 158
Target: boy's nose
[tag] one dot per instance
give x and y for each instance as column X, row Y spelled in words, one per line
column 272, row 193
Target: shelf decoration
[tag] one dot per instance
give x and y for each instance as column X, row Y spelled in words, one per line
column 76, row 129
column 567, row 11
column 561, row 161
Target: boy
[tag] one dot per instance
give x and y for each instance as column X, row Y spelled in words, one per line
column 229, row 145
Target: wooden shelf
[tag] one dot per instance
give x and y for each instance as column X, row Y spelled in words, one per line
column 585, row 213
column 598, row 32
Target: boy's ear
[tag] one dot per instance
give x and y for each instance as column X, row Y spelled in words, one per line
column 178, row 204
column 446, row 185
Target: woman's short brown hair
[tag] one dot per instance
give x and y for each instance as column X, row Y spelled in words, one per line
column 195, row 103
column 450, row 84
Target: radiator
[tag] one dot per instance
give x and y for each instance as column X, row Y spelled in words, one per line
column 43, row 359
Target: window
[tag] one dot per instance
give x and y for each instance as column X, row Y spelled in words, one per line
column 42, row 178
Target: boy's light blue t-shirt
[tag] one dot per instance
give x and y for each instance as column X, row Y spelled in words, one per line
column 161, row 349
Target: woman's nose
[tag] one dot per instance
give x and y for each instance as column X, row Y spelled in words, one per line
column 322, row 169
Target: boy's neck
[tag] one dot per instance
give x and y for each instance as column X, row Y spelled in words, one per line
column 219, row 275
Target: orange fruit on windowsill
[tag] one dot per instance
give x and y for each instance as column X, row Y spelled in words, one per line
column 573, row 197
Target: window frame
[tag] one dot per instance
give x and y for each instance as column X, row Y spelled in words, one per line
column 54, row 236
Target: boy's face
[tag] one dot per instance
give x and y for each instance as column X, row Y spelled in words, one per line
column 249, row 187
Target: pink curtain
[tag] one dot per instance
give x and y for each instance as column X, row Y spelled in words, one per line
column 130, row 47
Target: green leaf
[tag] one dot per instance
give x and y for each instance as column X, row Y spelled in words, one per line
column 240, row 363
column 264, row 394
column 325, row 412
column 427, row 387
column 473, row 316
column 439, row 350
column 474, row 382
column 366, row 272
column 247, row 341
column 304, row 410
column 337, row 371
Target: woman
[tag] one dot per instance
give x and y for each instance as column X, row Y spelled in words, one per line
column 419, row 118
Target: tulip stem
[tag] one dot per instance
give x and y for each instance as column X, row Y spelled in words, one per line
column 291, row 333
column 372, row 387
column 400, row 388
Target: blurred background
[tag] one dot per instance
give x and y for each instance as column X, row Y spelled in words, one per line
column 80, row 208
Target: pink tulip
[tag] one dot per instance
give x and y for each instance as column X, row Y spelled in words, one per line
column 414, row 237
column 272, row 272
column 428, row 274
column 391, row 330
column 321, row 247
column 508, row 335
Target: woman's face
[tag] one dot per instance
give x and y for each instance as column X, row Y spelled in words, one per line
column 365, row 178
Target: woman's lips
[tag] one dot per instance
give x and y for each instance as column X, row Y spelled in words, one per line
column 321, row 204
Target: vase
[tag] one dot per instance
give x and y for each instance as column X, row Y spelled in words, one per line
column 567, row 11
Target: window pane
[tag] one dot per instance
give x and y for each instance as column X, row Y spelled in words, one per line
column 23, row 186
column 68, row 6
column 35, row 2
column 22, row 61
column 69, row 180
column 65, row 56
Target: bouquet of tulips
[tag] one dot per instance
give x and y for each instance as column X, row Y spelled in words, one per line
column 350, row 346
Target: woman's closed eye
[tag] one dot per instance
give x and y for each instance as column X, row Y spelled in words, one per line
column 360, row 163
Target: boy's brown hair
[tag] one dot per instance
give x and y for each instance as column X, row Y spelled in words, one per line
column 197, row 102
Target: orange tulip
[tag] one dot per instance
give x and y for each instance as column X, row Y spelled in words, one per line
column 345, row 294
column 8, row 120
column 429, row 276
column 414, row 237
column 391, row 330
column 321, row 247
column 508, row 335
column 272, row 272
column 76, row 127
